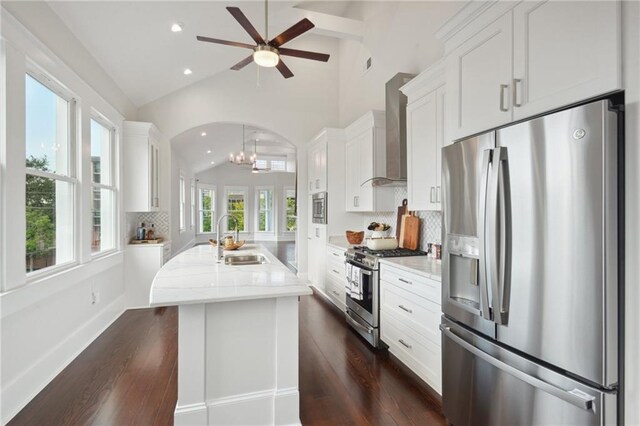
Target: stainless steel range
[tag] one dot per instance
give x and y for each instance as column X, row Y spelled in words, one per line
column 363, row 289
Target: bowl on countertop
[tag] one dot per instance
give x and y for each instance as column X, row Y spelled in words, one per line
column 355, row 237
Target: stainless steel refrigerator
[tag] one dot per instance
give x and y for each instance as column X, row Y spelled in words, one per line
column 530, row 272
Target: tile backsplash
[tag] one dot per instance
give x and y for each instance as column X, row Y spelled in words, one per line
column 430, row 221
column 159, row 219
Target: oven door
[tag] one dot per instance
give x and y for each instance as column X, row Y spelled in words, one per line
column 367, row 308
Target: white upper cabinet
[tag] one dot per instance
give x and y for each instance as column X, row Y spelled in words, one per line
column 507, row 61
column 144, row 172
column 425, row 137
column 317, row 164
column 563, row 52
column 478, row 80
column 365, row 158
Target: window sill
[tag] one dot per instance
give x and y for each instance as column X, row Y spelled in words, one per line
column 42, row 274
column 103, row 253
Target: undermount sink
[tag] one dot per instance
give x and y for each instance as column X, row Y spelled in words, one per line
column 249, row 259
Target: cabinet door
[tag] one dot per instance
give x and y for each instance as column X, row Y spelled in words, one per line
column 352, row 158
column 154, row 178
column 478, row 78
column 311, row 166
column 322, row 167
column 365, row 193
column 421, row 152
column 564, row 52
column 441, row 106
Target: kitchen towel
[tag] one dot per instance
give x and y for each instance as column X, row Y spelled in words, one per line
column 353, row 286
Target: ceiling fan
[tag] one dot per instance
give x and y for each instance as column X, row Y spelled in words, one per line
column 266, row 53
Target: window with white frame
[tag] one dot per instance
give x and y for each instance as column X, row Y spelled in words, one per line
column 50, row 175
column 193, row 203
column 291, row 220
column 103, row 194
column 278, row 165
column 182, row 204
column 236, row 207
column 264, row 207
column 206, row 208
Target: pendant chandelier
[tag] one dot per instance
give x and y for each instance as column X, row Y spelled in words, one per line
column 240, row 159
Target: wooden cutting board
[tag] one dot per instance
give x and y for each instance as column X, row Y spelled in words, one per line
column 401, row 212
column 411, row 231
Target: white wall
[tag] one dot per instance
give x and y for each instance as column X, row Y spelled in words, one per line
column 399, row 37
column 45, row 323
column 296, row 108
column 232, row 175
column 180, row 240
column 631, row 82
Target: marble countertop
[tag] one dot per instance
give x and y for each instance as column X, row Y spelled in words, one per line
column 340, row 241
column 420, row 265
column 163, row 243
column 194, row 276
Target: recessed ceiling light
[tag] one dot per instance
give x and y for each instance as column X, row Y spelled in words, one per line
column 213, row 162
column 177, row 27
column 187, row 71
column 203, row 134
column 208, row 151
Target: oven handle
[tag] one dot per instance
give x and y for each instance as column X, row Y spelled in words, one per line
column 362, row 270
column 357, row 325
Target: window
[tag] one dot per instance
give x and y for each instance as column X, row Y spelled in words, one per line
column 193, row 203
column 182, row 204
column 103, row 235
column 50, row 176
column 290, row 209
column 236, row 206
column 278, row 165
column 206, row 208
column 264, row 203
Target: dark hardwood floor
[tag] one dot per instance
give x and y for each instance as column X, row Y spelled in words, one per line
column 128, row 377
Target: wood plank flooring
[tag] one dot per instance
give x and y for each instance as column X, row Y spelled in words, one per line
column 128, row 377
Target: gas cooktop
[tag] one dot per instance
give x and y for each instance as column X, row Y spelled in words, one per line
column 399, row 252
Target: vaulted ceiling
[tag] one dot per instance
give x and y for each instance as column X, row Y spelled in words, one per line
column 132, row 40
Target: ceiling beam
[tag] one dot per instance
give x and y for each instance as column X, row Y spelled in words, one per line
column 325, row 24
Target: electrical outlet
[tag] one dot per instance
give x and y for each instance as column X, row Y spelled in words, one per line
column 95, row 297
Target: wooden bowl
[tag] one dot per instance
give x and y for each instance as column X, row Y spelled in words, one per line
column 355, row 237
column 235, row 245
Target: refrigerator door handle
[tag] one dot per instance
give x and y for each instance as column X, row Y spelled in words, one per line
column 497, row 226
column 485, row 308
column 504, row 266
column 575, row 397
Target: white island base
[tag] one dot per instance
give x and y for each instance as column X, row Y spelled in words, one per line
column 238, row 363
column 237, row 338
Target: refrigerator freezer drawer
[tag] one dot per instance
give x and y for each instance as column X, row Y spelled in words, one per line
column 487, row 384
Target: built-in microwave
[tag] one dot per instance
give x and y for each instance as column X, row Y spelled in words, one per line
column 319, row 208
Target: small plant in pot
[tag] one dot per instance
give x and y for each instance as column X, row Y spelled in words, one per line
column 378, row 230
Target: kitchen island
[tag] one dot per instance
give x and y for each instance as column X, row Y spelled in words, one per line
column 237, row 336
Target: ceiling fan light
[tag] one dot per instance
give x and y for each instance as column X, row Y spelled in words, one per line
column 266, row 56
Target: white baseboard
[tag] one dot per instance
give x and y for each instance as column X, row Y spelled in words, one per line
column 21, row 390
column 187, row 415
column 278, row 407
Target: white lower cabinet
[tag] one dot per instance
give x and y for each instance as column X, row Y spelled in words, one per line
column 317, row 241
column 409, row 321
column 141, row 264
column 335, row 279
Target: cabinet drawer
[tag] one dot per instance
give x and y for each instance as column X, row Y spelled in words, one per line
column 336, row 293
column 336, row 271
column 419, row 354
column 413, row 283
column 421, row 315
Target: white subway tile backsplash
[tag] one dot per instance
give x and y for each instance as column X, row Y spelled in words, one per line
column 431, row 221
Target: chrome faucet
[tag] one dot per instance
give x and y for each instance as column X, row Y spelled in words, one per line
column 220, row 242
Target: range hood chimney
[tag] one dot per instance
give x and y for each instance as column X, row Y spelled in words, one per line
column 396, row 128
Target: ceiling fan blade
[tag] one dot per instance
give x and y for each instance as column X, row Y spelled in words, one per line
column 291, row 33
column 243, row 63
column 323, row 57
column 284, row 70
column 244, row 22
column 226, row 42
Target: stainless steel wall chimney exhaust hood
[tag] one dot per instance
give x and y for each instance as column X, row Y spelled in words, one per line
column 396, row 138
